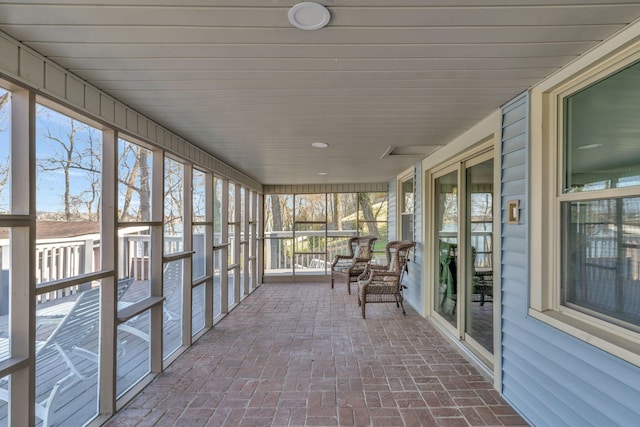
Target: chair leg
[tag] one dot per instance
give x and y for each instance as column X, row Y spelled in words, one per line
column 362, row 309
column 332, row 281
column 349, row 286
column 399, row 301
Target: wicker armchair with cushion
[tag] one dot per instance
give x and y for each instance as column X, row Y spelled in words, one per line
column 349, row 267
column 384, row 283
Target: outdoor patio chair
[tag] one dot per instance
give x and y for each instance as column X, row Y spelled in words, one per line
column 349, row 267
column 172, row 279
column 482, row 281
column 54, row 313
column 65, row 343
column 380, row 284
column 172, row 276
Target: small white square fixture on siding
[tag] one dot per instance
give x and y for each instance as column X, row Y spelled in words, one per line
column 513, row 212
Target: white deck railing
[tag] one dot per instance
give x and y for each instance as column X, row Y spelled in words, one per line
column 63, row 258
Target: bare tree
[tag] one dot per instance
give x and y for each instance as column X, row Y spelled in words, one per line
column 447, row 204
column 4, row 161
column 334, row 212
column 74, row 148
column 173, row 195
column 135, row 179
column 367, row 211
column 145, row 190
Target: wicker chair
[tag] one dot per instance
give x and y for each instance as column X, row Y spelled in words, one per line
column 349, row 267
column 384, row 283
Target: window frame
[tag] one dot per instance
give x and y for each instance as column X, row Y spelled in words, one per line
column 20, row 366
column 404, row 211
column 547, row 171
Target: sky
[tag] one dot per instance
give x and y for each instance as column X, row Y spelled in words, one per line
column 50, row 184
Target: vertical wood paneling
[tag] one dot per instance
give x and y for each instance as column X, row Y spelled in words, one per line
column 107, row 107
column 75, row 91
column 9, row 56
column 54, row 81
column 31, row 68
column 120, row 115
column 551, row 378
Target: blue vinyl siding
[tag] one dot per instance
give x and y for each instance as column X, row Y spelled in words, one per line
column 413, row 279
column 551, row 378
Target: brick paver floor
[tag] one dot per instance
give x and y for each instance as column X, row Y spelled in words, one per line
column 301, row 355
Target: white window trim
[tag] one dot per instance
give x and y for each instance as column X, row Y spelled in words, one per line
column 545, row 190
column 409, row 174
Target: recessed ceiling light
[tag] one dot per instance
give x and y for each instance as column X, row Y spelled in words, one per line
column 309, row 16
column 319, row 145
column 322, row 173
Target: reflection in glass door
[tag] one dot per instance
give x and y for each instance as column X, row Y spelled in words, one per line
column 463, row 252
column 446, row 217
column 479, row 254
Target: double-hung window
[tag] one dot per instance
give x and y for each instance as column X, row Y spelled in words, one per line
column 586, row 185
column 407, row 205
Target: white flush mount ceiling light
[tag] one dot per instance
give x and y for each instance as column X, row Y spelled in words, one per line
column 323, row 173
column 309, row 16
column 319, row 145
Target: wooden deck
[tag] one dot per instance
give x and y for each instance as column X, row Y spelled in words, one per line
column 77, row 402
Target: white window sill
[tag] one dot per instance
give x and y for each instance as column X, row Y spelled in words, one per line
column 610, row 341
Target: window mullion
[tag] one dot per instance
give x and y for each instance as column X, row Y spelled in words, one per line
column 187, row 291
column 22, row 243
column 157, row 251
column 108, row 254
column 224, row 225
column 208, row 250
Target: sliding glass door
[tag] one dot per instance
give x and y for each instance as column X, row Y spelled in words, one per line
column 463, row 249
column 478, row 316
column 446, row 232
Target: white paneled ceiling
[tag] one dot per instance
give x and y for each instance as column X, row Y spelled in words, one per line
column 235, row 78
